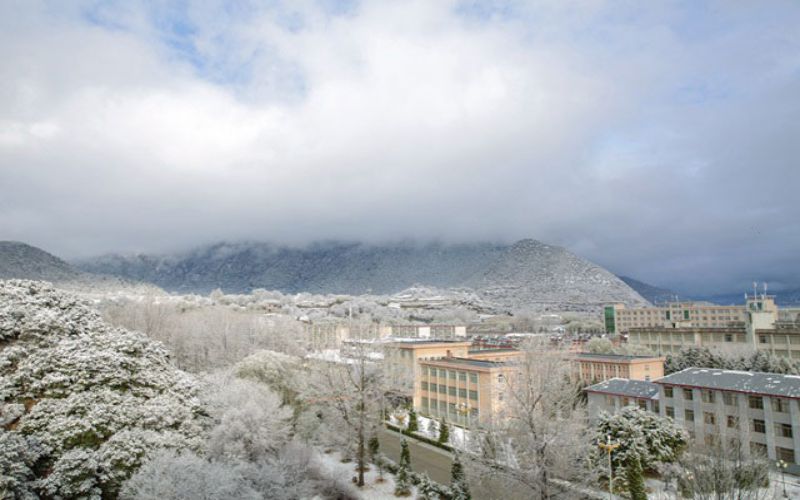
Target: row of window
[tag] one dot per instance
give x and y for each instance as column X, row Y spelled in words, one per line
column 450, row 390
column 439, row 407
column 732, row 422
column 731, row 399
column 451, row 374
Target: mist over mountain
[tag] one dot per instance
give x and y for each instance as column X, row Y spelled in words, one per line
column 515, row 275
column 22, row 261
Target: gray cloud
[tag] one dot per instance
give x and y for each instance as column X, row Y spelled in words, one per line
column 661, row 143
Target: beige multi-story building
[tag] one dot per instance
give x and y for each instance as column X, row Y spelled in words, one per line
column 402, row 360
column 764, row 328
column 462, row 390
column 491, row 354
column 592, row 368
column 619, row 319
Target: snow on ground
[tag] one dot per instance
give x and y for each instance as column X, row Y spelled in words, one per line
column 659, row 491
column 428, row 427
column 331, row 464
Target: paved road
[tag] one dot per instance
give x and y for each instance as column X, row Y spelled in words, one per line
column 433, row 461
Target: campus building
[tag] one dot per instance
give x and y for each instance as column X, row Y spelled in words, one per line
column 401, row 359
column 592, row 368
column 619, row 319
column 612, row 395
column 765, row 328
column 759, row 410
column 462, row 390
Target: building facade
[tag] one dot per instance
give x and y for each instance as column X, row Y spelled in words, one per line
column 401, row 360
column 592, row 368
column 614, row 394
column 464, row 391
column 619, row 319
column 762, row 410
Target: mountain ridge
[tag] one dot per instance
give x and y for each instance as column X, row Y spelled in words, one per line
column 525, row 272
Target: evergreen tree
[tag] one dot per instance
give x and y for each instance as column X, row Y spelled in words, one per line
column 635, row 480
column 405, row 455
column 458, row 481
column 402, row 481
column 426, row 489
column 413, row 426
column 444, row 432
column 373, row 447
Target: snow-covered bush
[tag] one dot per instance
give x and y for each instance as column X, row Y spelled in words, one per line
column 641, row 434
column 93, row 400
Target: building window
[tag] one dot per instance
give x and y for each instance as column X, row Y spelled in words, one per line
column 452, row 375
column 451, row 408
column 756, row 402
column 501, row 378
column 729, row 398
column 451, row 390
column 668, row 391
column 670, row 411
column 707, row 395
column 656, row 407
column 473, row 377
column 709, row 418
column 442, row 389
column 473, row 395
column 424, row 386
column 759, row 426
column 688, row 394
column 462, row 393
column 733, row 422
column 626, row 401
column 762, row 339
column 758, row 449
column 688, row 415
column 642, row 404
column 785, row 454
column 424, row 403
column 433, row 387
column 610, row 400
column 462, row 376
column 728, row 337
column 780, row 405
column 783, row 430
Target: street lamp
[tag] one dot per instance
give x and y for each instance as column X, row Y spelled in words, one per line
column 781, row 465
column 609, row 448
column 463, row 409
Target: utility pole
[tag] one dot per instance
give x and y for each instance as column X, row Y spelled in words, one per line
column 609, row 448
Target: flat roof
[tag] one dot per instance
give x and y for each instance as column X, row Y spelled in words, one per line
column 490, row 350
column 616, row 357
column 478, row 363
column 413, row 342
column 767, row 384
column 626, row 387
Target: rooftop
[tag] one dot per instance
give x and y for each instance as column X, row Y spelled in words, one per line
column 423, row 342
column 492, row 350
column 478, row 363
column 626, row 387
column 614, row 357
column 770, row 384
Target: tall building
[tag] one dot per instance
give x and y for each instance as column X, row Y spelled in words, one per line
column 402, row 360
column 619, row 319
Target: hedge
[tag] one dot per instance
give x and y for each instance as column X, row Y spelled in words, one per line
column 418, row 437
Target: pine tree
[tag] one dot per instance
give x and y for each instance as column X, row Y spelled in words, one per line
column 413, row 426
column 402, row 481
column 635, row 480
column 374, row 446
column 444, row 432
column 458, row 481
column 426, row 489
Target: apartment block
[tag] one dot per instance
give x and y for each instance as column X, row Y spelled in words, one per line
column 462, row 390
column 619, row 319
column 760, row 409
column 614, row 394
column 592, row 368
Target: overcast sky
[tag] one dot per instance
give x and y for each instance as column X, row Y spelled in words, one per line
column 659, row 139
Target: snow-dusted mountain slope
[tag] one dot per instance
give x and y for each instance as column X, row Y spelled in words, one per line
column 513, row 276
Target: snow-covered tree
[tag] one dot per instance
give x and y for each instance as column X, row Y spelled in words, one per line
column 635, row 479
column 96, row 401
column 642, row 435
column 458, row 481
column 721, row 469
column 413, row 425
column 426, row 490
column 542, row 435
column 444, row 432
column 402, row 479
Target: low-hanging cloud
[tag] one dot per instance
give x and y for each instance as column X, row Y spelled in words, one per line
column 660, row 141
